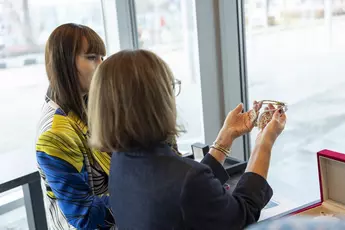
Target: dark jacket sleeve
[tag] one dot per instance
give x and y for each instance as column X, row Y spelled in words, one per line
column 217, row 169
column 207, row 205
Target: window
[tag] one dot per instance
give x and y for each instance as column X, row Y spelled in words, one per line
column 168, row 28
column 24, row 29
column 294, row 53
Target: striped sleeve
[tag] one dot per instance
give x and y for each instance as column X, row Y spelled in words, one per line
column 67, row 179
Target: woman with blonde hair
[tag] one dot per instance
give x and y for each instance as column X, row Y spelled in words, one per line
column 131, row 112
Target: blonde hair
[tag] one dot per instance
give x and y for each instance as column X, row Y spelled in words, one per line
column 131, row 102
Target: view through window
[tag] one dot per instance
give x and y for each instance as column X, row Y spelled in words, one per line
column 295, row 53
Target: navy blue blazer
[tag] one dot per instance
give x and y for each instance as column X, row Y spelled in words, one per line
column 161, row 190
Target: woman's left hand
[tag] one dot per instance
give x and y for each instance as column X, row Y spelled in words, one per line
column 238, row 123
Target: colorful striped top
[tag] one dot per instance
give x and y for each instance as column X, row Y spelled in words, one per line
column 75, row 177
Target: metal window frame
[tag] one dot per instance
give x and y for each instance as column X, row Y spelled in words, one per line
column 127, row 24
column 208, row 34
column 234, row 64
column 222, row 66
column 110, row 25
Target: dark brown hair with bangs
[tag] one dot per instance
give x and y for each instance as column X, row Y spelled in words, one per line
column 62, row 47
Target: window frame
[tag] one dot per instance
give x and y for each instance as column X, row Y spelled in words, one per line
column 127, row 24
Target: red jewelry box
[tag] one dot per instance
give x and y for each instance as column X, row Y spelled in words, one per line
column 331, row 167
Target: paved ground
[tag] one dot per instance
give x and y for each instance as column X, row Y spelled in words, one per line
column 296, row 66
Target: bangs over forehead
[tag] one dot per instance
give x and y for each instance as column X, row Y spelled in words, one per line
column 95, row 44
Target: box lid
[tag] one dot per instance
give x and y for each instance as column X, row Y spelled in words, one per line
column 332, row 176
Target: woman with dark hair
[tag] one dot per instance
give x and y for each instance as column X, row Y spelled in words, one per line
column 75, row 176
column 132, row 111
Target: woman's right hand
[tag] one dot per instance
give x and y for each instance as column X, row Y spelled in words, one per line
column 260, row 158
column 273, row 129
